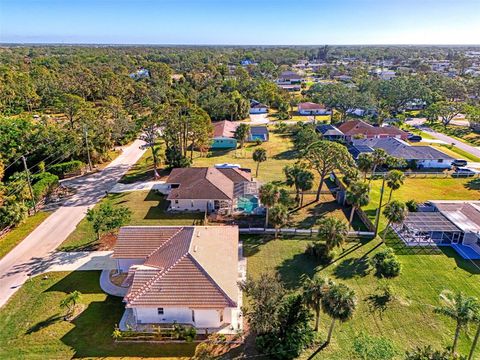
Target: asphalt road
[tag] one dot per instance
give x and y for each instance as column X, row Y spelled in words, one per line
column 449, row 140
column 34, row 254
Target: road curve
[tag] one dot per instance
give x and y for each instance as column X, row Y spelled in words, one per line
column 28, row 258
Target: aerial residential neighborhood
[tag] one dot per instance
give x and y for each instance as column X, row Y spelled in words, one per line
column 230, row 180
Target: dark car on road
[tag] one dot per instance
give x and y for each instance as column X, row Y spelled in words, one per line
column 414, row 138
column 463, row 172
column 459, row 162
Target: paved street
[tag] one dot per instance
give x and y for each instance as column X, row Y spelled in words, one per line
column 33, row 254
column 449, row 140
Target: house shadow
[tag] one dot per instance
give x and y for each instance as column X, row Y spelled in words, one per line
column 91, row 336
column 471, row 266
column 76, row 280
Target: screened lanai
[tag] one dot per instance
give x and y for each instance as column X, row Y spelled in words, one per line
column 428, row 228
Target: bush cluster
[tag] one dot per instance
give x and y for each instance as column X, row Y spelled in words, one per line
column 386, row 263
column 67, row 167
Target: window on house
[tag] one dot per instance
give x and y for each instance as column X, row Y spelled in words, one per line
column 440, row 160
column 160, row 311
column 192, row 203
column 176, row 201
column 193, row 315
column 221, row 316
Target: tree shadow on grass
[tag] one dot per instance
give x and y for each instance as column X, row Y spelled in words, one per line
column 43, row 324
column 253, row 243
column 291, row 270
column 286, row 155
column 352, row 267
column 378, row 303
column 473, row 184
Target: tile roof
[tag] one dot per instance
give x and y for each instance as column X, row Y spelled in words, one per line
column 224, row 128
column 359, row 127
column 205, row 183
column 310, row 106
column 196, row 267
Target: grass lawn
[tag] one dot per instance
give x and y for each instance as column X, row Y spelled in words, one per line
column 14, row 237
column 408, row 320
column 148, row 208
column 423, row 189
column 32, row 325
column 141, row 171
column 279, row 154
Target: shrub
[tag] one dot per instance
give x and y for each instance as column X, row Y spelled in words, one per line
column 412, row 205
column 319, row 251
column 258, row 142
column 43, row 184
column 181, row 332
column 386, row 263
column 67, row 167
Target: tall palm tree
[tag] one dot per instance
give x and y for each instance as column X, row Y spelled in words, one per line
column 339, row 303
column 476, row 319
column 279, row 216
column 365, row 164
column 269, row 195
column 334, row 231
column 358, row 195
column 259, row 155
column 395, row 212
column 379, row 157
column 314, row 289
column 394, row 180
column 459, row 307
column 300, row 178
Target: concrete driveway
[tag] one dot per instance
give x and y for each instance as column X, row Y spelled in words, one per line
column 33, row 253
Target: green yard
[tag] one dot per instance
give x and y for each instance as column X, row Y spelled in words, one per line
column 14, row 237
column 408, row 320
column 32, row 325
column 423, row 189
column 148, row 208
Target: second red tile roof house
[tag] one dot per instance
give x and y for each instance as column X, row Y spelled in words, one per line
column 222, row 190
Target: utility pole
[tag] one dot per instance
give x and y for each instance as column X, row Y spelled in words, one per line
column 88, row 148
column 377, row 217
column 29, row 183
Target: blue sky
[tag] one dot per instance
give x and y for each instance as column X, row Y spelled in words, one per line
column 267, row 22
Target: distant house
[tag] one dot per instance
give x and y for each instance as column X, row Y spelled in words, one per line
column 183, row 274
column 140, row 74
column 220, row 190
column 258, row 108
column 247, row 62
column 310, row 108
column 289, row 78
column 258, row 133
column 330, row 132
column 344, row 78
column 360, row 129
column 422, row 156
column 290, row 87
column 223, row 135
column 385, row 74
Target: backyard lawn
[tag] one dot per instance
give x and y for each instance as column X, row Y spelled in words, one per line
column 423, row 189
column 408, row 320
column 14, row 237
column 32, row 325
column 148, row 208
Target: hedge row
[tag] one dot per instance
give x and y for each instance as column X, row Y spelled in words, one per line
column 66, row 167
column 43, row 184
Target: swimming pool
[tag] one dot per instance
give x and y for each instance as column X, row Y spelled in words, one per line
column 248, row 204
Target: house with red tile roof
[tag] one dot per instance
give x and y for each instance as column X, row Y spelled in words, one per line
column 220, row 190
column 182, row 274
column 310, row 108
column 356, row 129
column 224, row 135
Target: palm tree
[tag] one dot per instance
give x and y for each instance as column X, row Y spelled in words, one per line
column 241, row 133
column 365, row 164
column 379, row 157
column 279, row 216
column 269, row 195
column 358, row 195
column 300, row 178
column 394, row 180
column 259, row 155
column 334, row 231
column 476, row 319
column 339, row 303
column 395, row 212
column 314, row 289
column 460, row 308
column 70, row 302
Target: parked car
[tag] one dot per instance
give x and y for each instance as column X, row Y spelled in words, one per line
column 459, row 162
column 414, row 138
column 464, row 172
